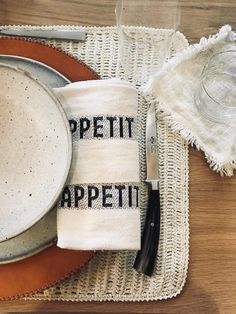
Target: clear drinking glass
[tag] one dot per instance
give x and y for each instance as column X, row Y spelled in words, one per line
column 153, row 14
column 216, row 95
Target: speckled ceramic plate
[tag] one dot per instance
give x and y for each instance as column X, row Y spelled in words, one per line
column 35, row 239
column 50, row 77
column 43, row 233
column 35, row 150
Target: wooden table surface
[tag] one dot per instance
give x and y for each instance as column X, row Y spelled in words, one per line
column 211, row 282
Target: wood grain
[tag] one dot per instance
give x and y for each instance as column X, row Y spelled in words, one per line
column 198, row 18
column 210, row 286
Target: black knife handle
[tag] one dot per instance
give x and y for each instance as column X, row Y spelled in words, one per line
column 146, row 257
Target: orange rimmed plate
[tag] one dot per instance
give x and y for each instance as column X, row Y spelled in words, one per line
column 53, row 264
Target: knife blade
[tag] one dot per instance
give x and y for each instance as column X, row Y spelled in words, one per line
column 74, row 35
column 146, row 257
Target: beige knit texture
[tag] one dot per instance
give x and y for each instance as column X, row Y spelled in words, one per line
column 110, row 275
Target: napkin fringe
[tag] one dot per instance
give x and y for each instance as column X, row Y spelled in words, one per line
column 223, row 169
column 191, row 51
column 150, row 91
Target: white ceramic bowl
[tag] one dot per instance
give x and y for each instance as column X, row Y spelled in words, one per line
column 35, row 151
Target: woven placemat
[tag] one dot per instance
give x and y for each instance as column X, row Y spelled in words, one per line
column 110, row 275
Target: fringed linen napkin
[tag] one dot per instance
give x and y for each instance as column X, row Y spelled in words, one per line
column 176, row 85
column 99, row 207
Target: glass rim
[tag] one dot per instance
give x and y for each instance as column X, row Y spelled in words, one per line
column 232, row 108
column 215, row 55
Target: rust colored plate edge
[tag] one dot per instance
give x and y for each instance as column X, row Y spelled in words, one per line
column 49, row 284
column 41, row 52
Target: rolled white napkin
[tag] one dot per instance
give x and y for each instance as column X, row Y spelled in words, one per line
column 99, row 207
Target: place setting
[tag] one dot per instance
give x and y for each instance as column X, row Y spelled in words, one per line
column 95, row 124
column 34, row 235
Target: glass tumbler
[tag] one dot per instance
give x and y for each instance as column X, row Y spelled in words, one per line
column 215, row 97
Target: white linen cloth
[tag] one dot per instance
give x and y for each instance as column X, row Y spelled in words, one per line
column 99, row 207
column 175, row 87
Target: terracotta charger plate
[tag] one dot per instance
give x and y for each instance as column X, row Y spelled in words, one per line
column 42, row 234
column 53, row 264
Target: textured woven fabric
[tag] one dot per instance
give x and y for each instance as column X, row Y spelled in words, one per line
column 110, row 275
column 195, row 110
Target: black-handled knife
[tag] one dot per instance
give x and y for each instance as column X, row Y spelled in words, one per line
column 146, row 257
